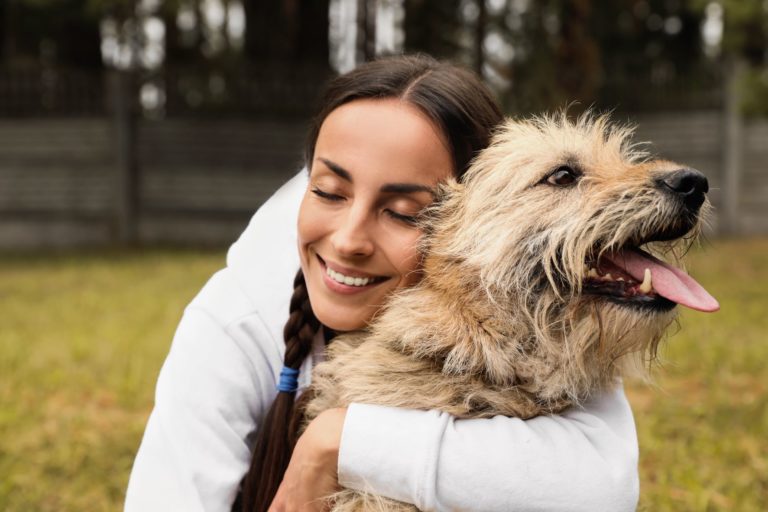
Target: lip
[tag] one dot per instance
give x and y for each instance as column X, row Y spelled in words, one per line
column 342, row 288
column 345, row 270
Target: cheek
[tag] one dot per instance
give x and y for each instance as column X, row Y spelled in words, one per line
column 309, row 227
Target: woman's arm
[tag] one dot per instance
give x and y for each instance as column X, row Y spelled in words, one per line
column 220, row 375
column 217, row 379
column 584, row 459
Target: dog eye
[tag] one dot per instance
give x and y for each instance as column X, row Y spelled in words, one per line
column 563, row 176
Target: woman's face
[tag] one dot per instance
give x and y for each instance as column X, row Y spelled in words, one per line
column 376, row 164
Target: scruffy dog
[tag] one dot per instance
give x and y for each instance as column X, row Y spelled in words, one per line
column 536, row 291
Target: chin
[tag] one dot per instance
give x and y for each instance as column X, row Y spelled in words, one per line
column 342, row 321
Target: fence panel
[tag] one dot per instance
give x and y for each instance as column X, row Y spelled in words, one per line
column 754, row 191
column 201, row 180
column 692, row 139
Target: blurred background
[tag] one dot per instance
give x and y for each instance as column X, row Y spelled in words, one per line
column 137, row 137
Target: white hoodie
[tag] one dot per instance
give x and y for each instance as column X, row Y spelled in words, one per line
column 220, row 378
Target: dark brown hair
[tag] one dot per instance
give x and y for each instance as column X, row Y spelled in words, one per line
column 466, row 113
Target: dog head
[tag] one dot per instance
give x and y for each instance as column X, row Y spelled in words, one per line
column 565, row 227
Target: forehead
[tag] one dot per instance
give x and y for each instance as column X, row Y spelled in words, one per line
column 388, row 138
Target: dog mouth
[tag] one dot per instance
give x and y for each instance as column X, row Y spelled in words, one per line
column 633, row 277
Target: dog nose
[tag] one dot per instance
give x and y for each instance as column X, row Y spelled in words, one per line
column 688, row 184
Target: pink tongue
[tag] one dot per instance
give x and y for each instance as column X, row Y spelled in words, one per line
column 668, row 281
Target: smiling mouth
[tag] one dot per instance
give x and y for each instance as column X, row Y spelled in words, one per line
column 348, row 280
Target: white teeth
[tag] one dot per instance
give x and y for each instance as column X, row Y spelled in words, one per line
column 646, row 286
column 347, row 280
column 594, row 274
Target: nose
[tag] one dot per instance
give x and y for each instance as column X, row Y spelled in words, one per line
column 689, row 185
column 352, row 236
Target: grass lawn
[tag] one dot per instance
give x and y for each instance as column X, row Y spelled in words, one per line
column 83, row 336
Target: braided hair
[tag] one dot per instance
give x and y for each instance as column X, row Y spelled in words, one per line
column 274, row 443
column 464, row 110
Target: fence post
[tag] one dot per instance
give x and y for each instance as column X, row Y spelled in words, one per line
column 733, row 131
column 126, row 182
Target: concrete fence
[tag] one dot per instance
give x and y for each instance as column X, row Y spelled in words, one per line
column 62, row 181
column 733, row 157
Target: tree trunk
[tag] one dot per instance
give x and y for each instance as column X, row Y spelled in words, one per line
column 287, row 33
column 312, row 34
column 432, row 26
column 480, row 26
column 366, row 30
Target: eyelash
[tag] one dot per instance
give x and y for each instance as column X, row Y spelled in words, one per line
column 326, row 195
column 408, row 219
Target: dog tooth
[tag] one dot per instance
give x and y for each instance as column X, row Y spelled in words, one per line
column 608, row 276
column 620, row 279
column 646, row 285
column 592, row 273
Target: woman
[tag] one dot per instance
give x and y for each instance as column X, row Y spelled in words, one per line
column 388, row 133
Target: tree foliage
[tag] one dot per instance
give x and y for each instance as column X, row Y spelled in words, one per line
column 288, row 33
column 550, row 53
column 433, row 27
column 52, row 32
column 745, row 31
column 538, row 53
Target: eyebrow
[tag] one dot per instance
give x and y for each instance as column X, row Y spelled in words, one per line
column 389, row 188
column 337, row 169
column 406, row 188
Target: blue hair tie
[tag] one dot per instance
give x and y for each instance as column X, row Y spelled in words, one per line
column 289, row 381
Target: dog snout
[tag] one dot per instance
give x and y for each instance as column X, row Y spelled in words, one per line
column 689, row 185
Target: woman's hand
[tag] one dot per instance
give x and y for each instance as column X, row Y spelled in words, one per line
column 312, row 473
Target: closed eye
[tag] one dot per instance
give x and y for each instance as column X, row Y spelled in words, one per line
column 326, row 195
column 408, row 219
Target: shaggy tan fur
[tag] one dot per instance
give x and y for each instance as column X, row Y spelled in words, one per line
column 499, row 323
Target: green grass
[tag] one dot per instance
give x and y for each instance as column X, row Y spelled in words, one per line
column 82, row 337
column 704, row 429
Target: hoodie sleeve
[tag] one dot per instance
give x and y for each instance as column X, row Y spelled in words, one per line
column 195, row 447
column 219, row 377
column 584, row 459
